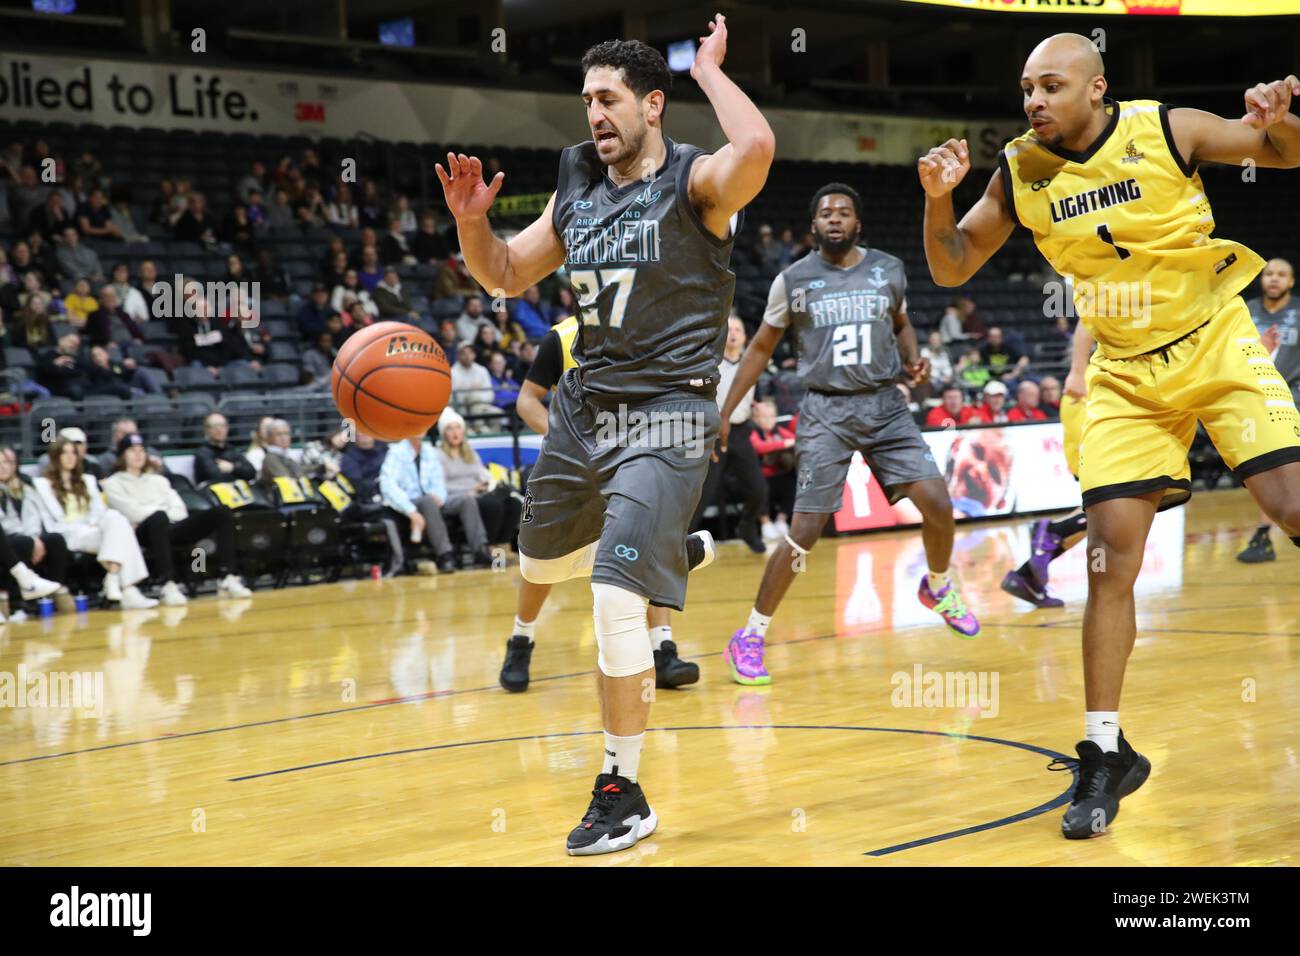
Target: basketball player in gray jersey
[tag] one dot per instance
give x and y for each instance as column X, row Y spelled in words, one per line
column 1277, row 318
column 644, row 227
column 848, row 306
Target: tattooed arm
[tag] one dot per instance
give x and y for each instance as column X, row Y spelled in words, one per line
column 955, row 251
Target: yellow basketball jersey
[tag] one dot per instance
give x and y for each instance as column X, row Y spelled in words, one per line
column 567, row 331
column 1130, row 225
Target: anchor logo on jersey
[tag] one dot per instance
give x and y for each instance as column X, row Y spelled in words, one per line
column 878, row 276
column 647, row 197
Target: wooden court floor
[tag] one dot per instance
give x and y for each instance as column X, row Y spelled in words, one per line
column 361, row 723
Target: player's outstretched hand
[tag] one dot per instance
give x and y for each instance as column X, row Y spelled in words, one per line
column 713, row 48
column 1269, row 103
column 918, row 373
column 467, row 196
column 943, row 167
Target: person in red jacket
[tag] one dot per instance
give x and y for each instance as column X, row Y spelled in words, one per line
column 954, row 411
column 774, row 445
column 1026, row 408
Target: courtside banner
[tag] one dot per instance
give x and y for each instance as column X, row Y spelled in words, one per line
column 990, row 471
column 196, row 97
column 1174, row 8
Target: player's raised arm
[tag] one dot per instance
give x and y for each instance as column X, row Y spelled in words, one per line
column 723, row 182
column 1267, row 135
column 508, row 266
column 956, row 251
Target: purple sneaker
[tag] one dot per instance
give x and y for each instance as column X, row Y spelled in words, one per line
column 1046, row 547
column 1017, row 585
column 744, row 657
column 949, row 606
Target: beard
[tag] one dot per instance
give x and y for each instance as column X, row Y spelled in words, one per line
column 1275, row 295
column 632, row 141
column 839, row 246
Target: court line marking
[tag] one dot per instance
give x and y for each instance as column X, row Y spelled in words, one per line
column 1058, row 801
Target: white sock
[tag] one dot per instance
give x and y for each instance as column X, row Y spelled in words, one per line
column 660, row 634
column 623, row 755
column 23, row 575
column 758, row 623
column 1102, row 728
column 938, row 580
column 526, row 628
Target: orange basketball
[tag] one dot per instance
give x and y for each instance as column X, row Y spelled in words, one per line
column 392, row 380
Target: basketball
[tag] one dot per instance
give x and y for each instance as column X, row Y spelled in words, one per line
column 392, row 379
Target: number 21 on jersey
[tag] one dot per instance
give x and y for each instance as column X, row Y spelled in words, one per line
column 851, row 345
column 587, row 283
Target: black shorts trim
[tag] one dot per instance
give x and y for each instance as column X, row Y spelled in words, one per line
column 1133, row 489
column 1267, row 462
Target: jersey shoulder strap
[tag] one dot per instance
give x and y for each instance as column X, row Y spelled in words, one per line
column 578, row 166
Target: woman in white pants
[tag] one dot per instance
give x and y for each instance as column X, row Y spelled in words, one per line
column 71, row 505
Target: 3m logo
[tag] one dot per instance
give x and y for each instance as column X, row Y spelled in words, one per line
column 309, row 112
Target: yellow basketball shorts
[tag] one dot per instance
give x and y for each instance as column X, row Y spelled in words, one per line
column 1142, row 411
column 1074, row 411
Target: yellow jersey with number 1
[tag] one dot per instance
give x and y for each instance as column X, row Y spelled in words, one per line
column 1128, row 222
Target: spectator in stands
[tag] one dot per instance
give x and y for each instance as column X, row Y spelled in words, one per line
column 970, row 370
column 471, row 386
column 403, row 213
column 950, row 328
column 774, row 445
column 71, row 506
column 343, row 211
column 29, row 194
column 768, row 251
column 323, row 458
column 253, row 181
column 234, row 270
column 95, row 219
column 372, row 213
column 361, row 463
column 89, row 464
column 789, row 248
column 530, row 314
column 429, row 244
column 562, row 304
column 44, row 257
column 204, row 341
column 108, row 321
column 106, row 462
column 146, row 278
column 105, row 371
column 485, row 343
column 318, row 361
column 471, row 318
column 79, row 303
column 258, row 439
column 371, row 273
column 160, row 211
column 1027, row 408
column 336, row 271
column 1062, row 331
column 280, row 215
column 237, row 229
column 1050, row 387
column 216, row 459
column 34, row 332
column 358, row 317
column 283, row 169
column 77, row 261
column 1004, row 359
column 50, row 218
column 953, row 412
column 25, row 547
column 132, row 302
column 195, row 223
column 368, row 240
column 392, row 302
column 971, row 323
column 465, row 474
column 509, row 333
column 310, row 208
column 995, row 400
column 352, row 286
column 941, row 371
column 414, row 486
column 273, row 279
column 257, row 212
column 121, row 217
column 505, row 390
column 394, row 248
column 161, row 520
column 278, row 462
column 61, row 371
column 313, row 317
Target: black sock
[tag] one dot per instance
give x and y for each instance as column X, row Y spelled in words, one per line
column 1070, row 525
column 1264, row 530
column 1296, row 541
column 1023, row 569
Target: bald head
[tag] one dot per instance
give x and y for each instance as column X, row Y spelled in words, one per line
column 1064, row 85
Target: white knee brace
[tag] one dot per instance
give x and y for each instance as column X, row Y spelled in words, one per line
column 621, row 632
column 575, row 564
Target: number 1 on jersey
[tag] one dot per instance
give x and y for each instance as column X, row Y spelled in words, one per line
column 1104, row 232
column 588, row 283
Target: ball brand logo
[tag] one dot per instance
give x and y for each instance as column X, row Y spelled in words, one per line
column 400, row 344
column 623, row 551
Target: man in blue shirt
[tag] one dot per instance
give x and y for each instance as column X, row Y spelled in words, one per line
column 530, row 314
column 412, row 484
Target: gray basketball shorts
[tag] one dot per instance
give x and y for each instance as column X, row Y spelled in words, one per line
column 832, row 427
column 629, row 477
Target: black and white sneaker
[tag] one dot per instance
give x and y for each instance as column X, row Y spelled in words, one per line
column 1259, row 549
column 700, row 551
column 617, row 818
column 671, row 670
column 514, row 672
column 1104, row 779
